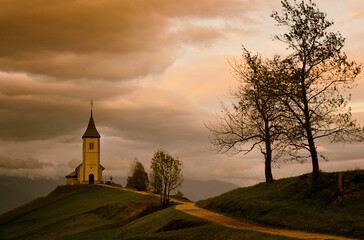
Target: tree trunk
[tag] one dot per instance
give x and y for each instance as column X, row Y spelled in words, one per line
column 315, row 163
column 268, row 169
column 313, row 151
column 268, row 155
column 312, row 148
column 310, row 138
column 165, row 196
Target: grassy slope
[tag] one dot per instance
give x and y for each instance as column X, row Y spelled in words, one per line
column 289, row 203
column 95, row 212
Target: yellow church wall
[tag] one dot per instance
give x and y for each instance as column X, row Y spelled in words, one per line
column 70, row 181
column 80, row 173
column 100, row 174
column 91, row 160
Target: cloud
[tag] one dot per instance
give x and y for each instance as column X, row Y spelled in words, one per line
column 40, row 109
column 16, row 85
column 30, row 163
column 231, row 168
column 113, row 40
column 116, row 163
column 33, row 109
column 356, row 15
column 74, row 162
column 198, row 34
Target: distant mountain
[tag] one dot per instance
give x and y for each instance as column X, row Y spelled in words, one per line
column 15, row 191
column 194, row 189
column 11, row 198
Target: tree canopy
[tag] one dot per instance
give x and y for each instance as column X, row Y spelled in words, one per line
column 169, row 173
column 317, row 73
column 139, row 178
column 255, row 119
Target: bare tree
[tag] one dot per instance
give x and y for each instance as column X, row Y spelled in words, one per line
column 255, row 120
column 311, row 92
column 169, row 170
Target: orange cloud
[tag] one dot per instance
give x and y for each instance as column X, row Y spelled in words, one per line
column 113, row 40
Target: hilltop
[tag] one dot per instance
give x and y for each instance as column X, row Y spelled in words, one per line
column 289, row 203
column 98, row 212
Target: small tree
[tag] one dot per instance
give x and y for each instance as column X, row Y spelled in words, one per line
column 170, row 171
column 319, row 71
column 139, row 178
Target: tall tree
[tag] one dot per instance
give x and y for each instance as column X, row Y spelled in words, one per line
column 138, row 178
column 169, row 170
column 255, row 119
column 319, row 71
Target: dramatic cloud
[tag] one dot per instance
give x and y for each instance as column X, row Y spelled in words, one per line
column 103, row 40
column 40, row 110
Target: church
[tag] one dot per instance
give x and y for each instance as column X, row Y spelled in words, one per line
column 90, row 170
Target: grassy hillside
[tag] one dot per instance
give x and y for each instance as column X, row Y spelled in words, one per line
column 290, row 203
column 96, row 212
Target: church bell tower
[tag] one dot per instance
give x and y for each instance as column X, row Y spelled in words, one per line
column 91, row 171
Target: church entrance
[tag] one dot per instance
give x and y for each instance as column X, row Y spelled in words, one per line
column 91, row 179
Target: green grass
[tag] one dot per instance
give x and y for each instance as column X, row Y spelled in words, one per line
column 96, row 212
column 72, row 209
column 290, row 203
column 171, row 224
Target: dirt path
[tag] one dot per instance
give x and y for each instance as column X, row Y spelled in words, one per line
column 192, row 209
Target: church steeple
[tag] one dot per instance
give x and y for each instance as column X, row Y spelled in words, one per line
column 91, row 131
column 90, row 170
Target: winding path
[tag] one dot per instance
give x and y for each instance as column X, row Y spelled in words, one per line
column 191, row 209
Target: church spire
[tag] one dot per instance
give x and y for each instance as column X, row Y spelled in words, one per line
column 91, row 131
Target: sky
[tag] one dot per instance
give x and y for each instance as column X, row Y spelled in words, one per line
column 156, row 70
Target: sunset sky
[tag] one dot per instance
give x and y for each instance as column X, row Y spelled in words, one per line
column 156, row 71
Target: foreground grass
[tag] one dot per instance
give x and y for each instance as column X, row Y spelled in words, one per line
column 290, row 203
column 96, row 212
column 171, row 224
column 72, row 209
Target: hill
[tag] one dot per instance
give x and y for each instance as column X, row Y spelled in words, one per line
column 18, row 190
column 290, row 203
column 98, row 212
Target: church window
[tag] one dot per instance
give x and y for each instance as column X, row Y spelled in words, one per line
column 91, row 146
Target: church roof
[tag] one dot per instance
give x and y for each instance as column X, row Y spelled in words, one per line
column 91, row 131
column 72, row 175
column 79, row 166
